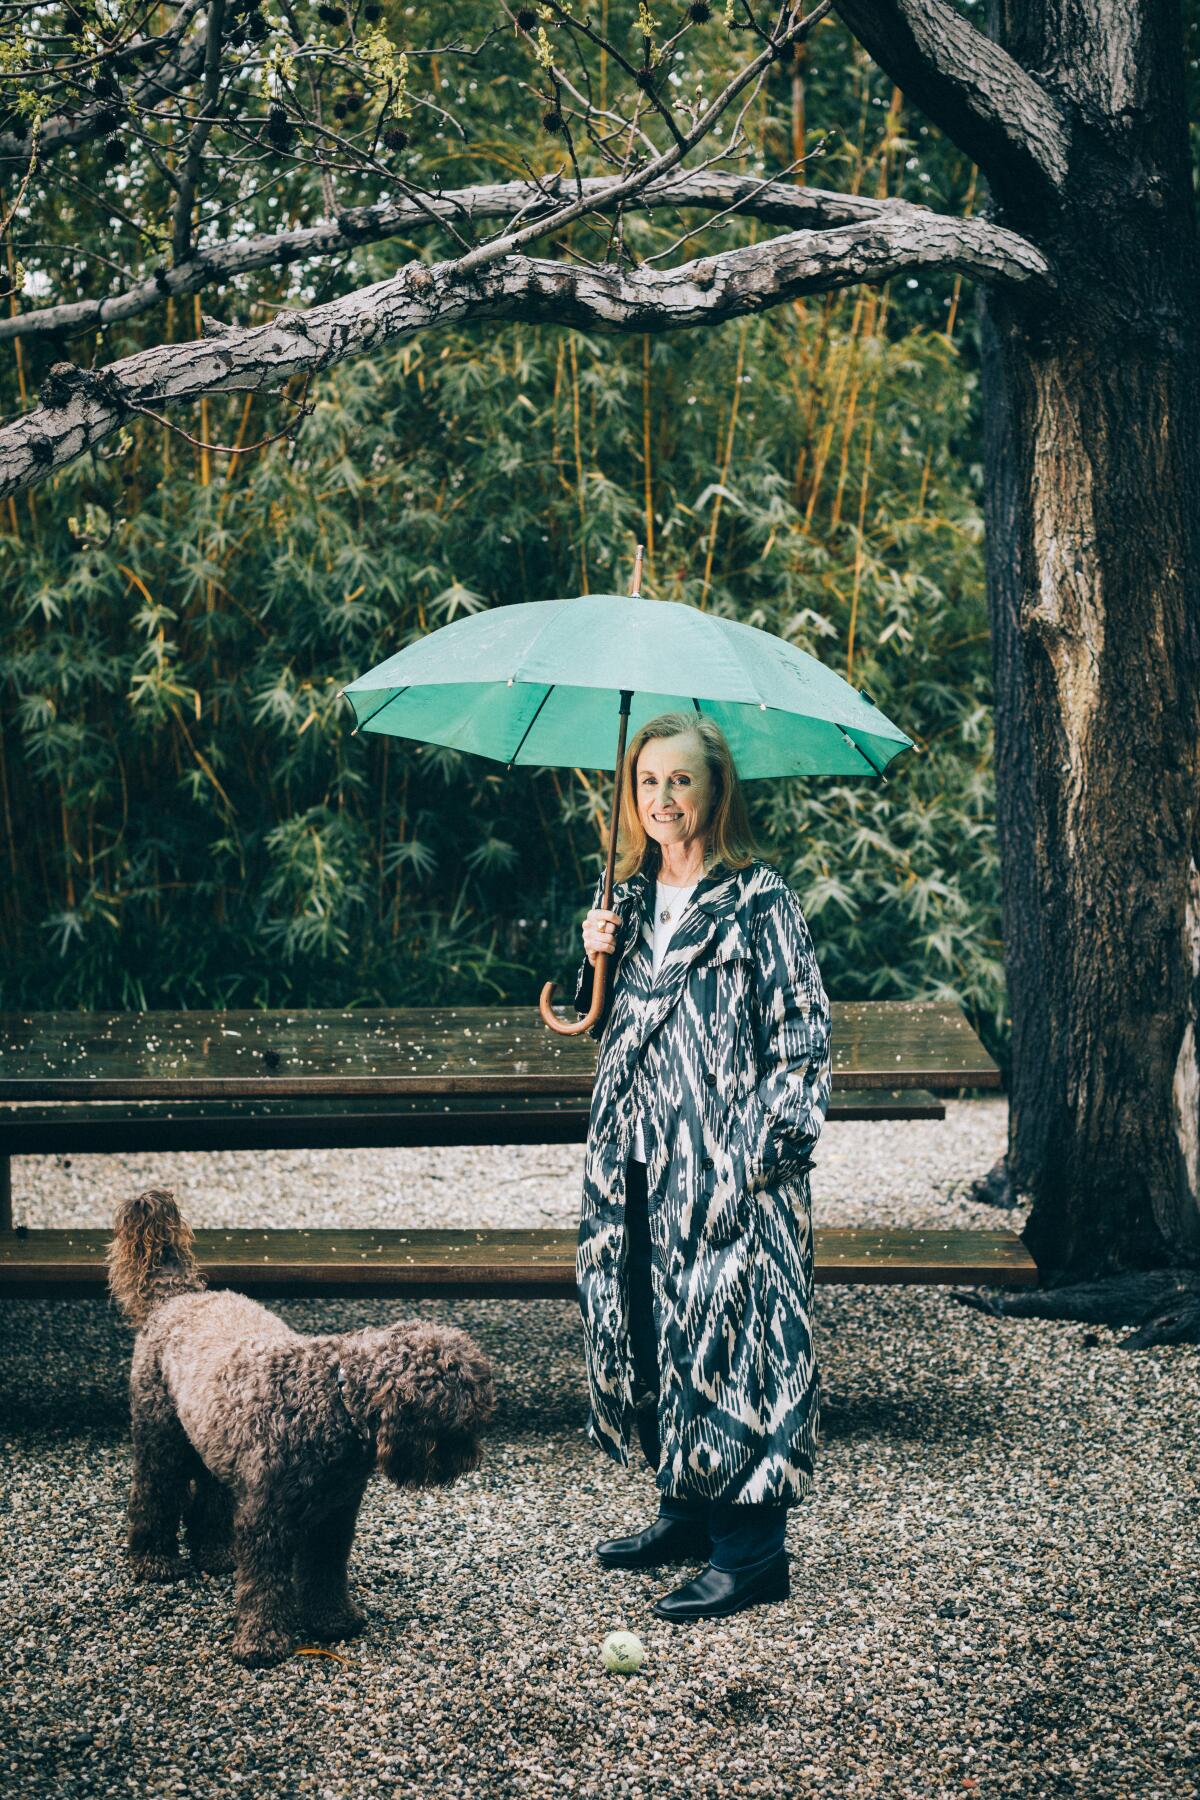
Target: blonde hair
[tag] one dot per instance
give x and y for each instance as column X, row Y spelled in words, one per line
column 728, row 839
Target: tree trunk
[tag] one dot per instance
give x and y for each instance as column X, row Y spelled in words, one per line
column 1092, row 447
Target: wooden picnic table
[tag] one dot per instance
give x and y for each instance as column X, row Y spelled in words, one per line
column 76, row 1082
column 428, row 1051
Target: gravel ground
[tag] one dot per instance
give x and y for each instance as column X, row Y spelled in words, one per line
column 993, row 1586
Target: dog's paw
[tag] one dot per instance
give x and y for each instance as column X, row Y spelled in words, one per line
column 147, row 1566
column 259, row 1649
column 333, row 1627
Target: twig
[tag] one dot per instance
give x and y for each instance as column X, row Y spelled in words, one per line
column 303, row 411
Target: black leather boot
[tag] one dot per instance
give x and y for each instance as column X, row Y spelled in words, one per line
column 665, row 1541
column 714, row 1593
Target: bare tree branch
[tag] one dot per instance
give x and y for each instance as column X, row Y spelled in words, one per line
column 642, row 177
column 80, row 407
column 775, row 202
column 1003, row 118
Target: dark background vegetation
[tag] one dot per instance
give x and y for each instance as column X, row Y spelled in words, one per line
column 185, row 820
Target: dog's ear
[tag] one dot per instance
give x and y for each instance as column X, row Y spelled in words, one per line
column 403, row 1448
column 443, row 1378
column 435, row 1395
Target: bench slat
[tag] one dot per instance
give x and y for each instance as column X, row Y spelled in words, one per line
column 411, row 1051
column 530, row 1263
column 322, row 1121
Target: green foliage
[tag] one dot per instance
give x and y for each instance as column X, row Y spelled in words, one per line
column 186, row 820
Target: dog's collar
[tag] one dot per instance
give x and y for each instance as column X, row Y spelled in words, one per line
column 340, row 1374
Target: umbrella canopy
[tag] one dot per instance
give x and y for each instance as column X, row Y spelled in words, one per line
column 537, row 683
column 543, row 682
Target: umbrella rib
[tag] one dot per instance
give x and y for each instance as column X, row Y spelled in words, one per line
column 379, row 709
column 874, row 767
column 530, row 726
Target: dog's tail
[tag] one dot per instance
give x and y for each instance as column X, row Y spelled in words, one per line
column 150, row 1258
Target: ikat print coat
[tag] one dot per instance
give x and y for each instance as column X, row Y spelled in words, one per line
column 727, row 1054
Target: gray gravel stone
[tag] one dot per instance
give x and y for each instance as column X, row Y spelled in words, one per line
column 993, row 1586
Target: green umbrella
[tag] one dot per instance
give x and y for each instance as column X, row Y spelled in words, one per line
column 536, row 683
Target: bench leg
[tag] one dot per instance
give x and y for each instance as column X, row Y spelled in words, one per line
column 5, row 1193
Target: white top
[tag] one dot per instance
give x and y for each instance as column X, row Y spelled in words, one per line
column 676, row 899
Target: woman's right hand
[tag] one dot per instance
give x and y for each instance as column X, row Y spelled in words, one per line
column 600, row 933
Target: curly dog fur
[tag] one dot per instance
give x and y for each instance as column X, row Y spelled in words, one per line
column 262, row 1441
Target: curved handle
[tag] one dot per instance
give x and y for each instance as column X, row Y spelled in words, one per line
column 599, row 987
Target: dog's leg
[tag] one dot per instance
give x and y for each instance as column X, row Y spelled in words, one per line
column 162, row 1458
column 326, row 1609
column 208, row 1521
column 264, row 1546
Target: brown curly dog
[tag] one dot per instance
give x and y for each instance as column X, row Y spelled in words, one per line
column 262, row 1441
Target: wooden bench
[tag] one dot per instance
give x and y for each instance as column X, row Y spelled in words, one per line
column 72, row 1083
column 517, row 1265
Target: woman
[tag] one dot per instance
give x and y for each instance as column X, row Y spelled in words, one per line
column 695, row 1263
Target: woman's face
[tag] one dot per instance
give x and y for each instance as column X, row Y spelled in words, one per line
column 674, row 789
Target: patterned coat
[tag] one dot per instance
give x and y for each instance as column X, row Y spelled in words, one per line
column 728, row 1056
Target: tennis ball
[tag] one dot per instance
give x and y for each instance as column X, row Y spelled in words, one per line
column 622, row 1652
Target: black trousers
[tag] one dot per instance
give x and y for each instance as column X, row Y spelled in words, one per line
column 742, row 1536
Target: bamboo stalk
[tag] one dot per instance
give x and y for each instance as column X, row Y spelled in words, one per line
column 579, row 483
column 68, row 848
column 813, row 359
column 604, row 56
column 860, row 62
column 647, row 480
column 8, row 822
column 205, row 465
column 826, row 440
column 858, row 548
column 968, row 208
column 799, row 125
column 383, row 783
column 164, row 434
column 891, row 125
column 726, row 460
column 555, row 445
column 871, row 326
column 22, row 389
column 201, row 759
column 848, row 422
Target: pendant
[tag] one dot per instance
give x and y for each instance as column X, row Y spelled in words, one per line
column 665, row 914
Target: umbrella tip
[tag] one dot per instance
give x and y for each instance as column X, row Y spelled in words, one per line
column 635, row 586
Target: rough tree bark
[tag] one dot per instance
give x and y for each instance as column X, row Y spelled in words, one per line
column 1093, row 478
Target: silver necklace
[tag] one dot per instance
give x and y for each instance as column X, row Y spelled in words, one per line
column 665, row 914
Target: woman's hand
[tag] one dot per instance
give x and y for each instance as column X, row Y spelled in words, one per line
column 600, row 933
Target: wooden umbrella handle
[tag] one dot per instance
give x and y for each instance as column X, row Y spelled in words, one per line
column 599, row 985
column 600, row 966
